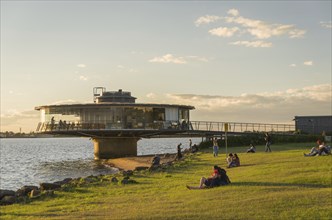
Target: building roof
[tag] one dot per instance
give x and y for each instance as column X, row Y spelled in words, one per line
column 111, row 104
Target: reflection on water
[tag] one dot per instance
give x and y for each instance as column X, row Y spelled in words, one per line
column 30, row 161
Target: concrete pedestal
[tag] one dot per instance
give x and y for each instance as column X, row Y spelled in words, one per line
column 106, row 148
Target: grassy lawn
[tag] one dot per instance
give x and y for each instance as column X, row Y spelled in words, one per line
column 279, row 185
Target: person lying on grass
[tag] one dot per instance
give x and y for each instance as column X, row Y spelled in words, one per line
column 218, row 178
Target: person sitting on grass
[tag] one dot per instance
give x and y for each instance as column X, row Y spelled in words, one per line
column 251, row 149
column 321, row 149
column 230, row 160
column 236, row 160
column 156, row 160
column 218, row 177
column 194, row 148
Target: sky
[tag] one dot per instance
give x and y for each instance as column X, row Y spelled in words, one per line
column 235, row 61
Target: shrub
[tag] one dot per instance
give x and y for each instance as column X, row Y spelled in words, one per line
column 258, row 139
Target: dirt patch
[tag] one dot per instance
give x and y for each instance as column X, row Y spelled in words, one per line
column 130, row 163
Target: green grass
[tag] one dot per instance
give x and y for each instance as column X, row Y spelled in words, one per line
column 278, row 185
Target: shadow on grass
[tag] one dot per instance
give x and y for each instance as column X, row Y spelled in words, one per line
column 279, row 184
column 245, row 165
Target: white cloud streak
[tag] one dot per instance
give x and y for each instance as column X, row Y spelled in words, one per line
column 169, row 58
column 256, row 29
column 308, row 63
column 151, row 95
column 83, row 78
column 81, row 65
column 263, row 30
column 326, row 24
column 206, row 19
column 233, row 12
column 252, row 43
column 224, row 31
column 263, row 107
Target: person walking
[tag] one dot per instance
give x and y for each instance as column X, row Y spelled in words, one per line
column 215, row 147
column 268, row 142
column 190, row 144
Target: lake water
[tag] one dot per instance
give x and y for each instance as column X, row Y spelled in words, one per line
column 30, row 161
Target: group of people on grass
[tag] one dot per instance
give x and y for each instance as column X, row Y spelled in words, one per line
column 320, row 149
column 219, row 176
column 233, row 160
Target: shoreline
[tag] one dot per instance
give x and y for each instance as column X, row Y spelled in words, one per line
column 126, row 166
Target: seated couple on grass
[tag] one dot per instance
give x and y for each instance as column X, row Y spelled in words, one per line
column 218, row 178
column 320, row 149
column 232, row 160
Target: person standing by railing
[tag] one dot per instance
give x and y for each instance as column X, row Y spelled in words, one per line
column 268, row 142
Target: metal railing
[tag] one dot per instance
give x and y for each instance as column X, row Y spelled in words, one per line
column 235, row 127
column 240, row 127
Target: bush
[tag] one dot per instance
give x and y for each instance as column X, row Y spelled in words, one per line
column 258, row 139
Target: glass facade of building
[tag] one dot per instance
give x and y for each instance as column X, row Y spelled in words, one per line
column 113, row 117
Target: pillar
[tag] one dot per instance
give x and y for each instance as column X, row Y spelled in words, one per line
column 106, row 148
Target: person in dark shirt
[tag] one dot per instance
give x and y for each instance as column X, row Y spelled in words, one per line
column 251, row 149
column 179, row 154
column 268, row 142
column 156, row 160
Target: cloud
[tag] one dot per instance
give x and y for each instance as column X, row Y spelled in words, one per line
column 81, row 65
column 206, row 19
column 252, row 43
column 168, row 58
column 83, row 78
column 151, row 95
column 264, row 30
column 233, row 12
column 65, row 102
column 224, row 31
column 12, row 120
column 308, row 63
column 326, row 24
column 296, row 33
column 253, row 28
column 292, row 65
column 272, row 107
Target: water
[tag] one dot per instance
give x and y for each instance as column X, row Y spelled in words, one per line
column 30, row 161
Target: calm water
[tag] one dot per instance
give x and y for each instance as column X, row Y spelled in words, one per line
column 30, row 161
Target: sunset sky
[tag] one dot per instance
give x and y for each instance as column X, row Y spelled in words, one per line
column 236, row 61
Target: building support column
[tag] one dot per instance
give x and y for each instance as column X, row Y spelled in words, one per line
column 106, row 148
